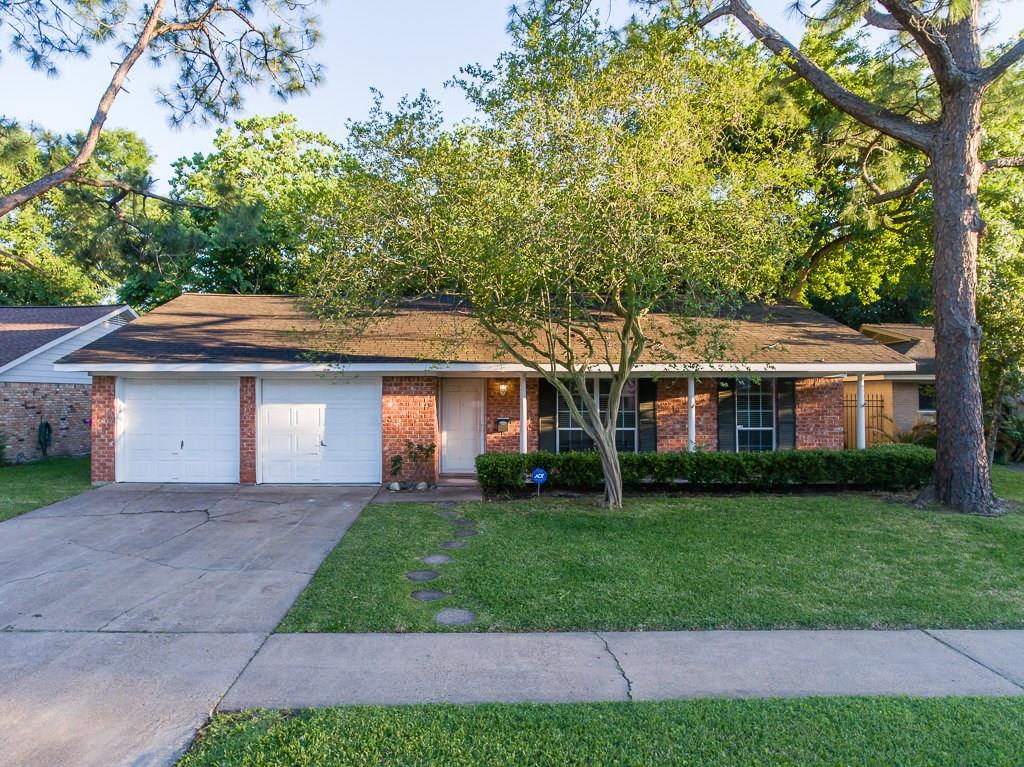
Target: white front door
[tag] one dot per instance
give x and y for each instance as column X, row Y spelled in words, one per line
column 462, row 419
column 178, row 431
column 321, row 430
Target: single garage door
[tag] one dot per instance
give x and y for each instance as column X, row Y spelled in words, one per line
column 180, row 431
column 323, row 430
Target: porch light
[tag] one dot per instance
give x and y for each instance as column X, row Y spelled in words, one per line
column 503, row 389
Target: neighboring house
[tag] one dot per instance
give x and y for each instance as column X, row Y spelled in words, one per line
column 32, row 391
column 218, row 388
column 896, row 401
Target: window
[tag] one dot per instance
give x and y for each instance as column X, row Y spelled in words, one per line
column 755, row 415
column 570, row 436
column 926, row 398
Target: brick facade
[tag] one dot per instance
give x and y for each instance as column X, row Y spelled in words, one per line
column 104, row 403
column 819, row 414
column 247, row 430
column 498, row 405
column 66, row 407
column 670, row 412
column 409, row 414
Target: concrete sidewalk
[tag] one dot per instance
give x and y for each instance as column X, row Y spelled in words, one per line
column 302, row 670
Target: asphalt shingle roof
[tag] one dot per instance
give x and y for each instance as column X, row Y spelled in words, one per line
column 247, row 329
column 25, row 328
column 914, row 341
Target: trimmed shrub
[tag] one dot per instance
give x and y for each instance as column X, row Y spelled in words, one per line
column 884, row 467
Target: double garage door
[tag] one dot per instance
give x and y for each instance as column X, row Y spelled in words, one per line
column 318, row 430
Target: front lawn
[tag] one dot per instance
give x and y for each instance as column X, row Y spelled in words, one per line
column 28, row 486
column 815, row 732
column 1008, row 483
column 751, row 561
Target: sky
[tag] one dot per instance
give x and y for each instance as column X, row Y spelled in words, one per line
column 396, row 46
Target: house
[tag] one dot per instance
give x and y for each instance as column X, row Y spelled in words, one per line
column 896, row 401
column 228, row 388
column 32, row 391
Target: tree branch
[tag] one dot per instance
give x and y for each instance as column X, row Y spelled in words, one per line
column 18, row 197
column 885, row 120
column 1010, row 57
column 881, row 20
column 1002, row 162
column 125, row 188
column 904, row 191
column 931, row 40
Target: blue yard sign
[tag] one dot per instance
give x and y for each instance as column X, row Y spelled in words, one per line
column 538, row 477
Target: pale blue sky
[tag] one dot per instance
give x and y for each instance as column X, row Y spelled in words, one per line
column 396, row 46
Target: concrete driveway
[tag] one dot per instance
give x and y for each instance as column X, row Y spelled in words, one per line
column 127, row 611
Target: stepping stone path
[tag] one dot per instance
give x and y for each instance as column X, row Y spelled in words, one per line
column 420, row 576
column 454, row 616
column 428, row 595
column 464, row 528
column 436, row 559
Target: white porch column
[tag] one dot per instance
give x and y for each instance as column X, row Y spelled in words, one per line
column 691, row 415
column 862, row 439
column 523, row 418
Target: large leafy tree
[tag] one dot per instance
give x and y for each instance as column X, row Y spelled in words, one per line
column 246, row 228
column 605, row 180
column 940, row 116
column 76, row 243
column 217, row 47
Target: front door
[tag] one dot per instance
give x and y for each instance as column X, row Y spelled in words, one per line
column 462, row 406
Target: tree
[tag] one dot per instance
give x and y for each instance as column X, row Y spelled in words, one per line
column 76, row 243
column 606, row 179
column 946, row 36
column 220, row 47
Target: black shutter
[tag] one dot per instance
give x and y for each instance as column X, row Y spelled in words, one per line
column 785, row 408
column 646, row 422
column 726, row 415
column 546, row 406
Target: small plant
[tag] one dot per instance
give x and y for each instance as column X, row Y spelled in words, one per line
column 417, row 455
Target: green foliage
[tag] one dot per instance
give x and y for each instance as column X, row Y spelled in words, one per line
column 883, row 467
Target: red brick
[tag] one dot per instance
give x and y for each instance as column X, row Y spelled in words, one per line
column 103, row 428
column 819, row 414
column 247, row 430
column 670, row 412
column 409, row 414
column 66, row 407
column 498, row 405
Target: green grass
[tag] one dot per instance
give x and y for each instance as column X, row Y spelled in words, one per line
column 838, row 732
column 28, row 486
column 754, row 561
column 1008, row 483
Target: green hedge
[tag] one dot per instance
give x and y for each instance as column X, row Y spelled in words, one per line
column 886, row 467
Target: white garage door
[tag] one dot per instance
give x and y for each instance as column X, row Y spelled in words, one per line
column 323, row 430
column 180, row 431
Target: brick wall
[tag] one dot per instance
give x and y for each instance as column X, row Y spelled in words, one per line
column 66, row 407
column 498, row 406
column 819, row 413
column 247, row 430
column 670, row 411
column 103, row 428
column 409, row 413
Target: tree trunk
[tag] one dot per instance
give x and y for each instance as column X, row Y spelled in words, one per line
column 963, row 479
column 609, row 456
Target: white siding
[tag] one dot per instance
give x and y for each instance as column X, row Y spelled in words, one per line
column 39, row 369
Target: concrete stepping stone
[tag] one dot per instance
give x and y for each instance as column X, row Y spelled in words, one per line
column 420, row 576
column 436, row 559
column 454, row 616
column 428, row 595
column 453, row 544
column 465, row 532
column 464, row 522
column 448, row 514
